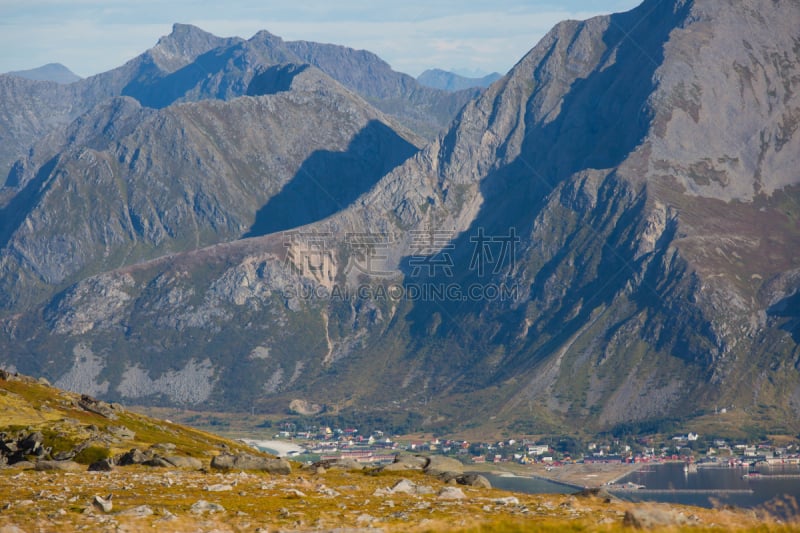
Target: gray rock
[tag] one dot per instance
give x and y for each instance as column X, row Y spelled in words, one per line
column 245, row 461
column 180, row 461
column 163, row 447
column 439, row 464
column 158, row 462
column 219, row 487
column 121, row 432
column 650, row 517
column 346, row 464
column 405, row 486
column 93, row 405
column 64, row 466
column 102, row 465
column 133, row 457
column 451, row 493
column 103, row 504
column 405, row 461
column 474, row 480
column 23, row 465
column 141, row 511
column 31, row 443
column 202, row 506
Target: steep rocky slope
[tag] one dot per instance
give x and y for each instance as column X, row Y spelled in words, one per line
column 628, row 189
column 132, row 183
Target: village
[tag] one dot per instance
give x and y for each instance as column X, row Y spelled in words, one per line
column 376, row 448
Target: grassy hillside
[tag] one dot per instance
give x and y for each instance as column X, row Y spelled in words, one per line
column 203, row 499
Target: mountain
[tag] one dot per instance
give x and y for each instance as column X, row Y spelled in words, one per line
column 190, row 64
column 604, row 240
column 140, row 183
column 427, row 111
column 55, row 72
column 449, row 81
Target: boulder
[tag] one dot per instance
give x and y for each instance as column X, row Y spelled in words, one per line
column 64, row 466
column 404, row 486
column 121, row 432
column 652, row 517
column 202, row 506
column 346, row 464
column 93, row 405
column 405, row 461
column 246, row 461
column 180, row 461
column 158, row 462
column 133, row 457
column 508, row 500
column 163, row 447
column 439, row 464
column 474, row 480
column 23, row 465
column 451, row 493
column 103, row 465
column 219, row 487
column 103, row 504
column 31, row 443
column 141, row 511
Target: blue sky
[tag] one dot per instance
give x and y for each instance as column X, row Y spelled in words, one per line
column 91, row 36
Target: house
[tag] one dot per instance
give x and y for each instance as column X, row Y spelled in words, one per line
column 538, row 449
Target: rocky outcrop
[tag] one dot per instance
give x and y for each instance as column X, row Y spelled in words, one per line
column 246, row 461
column 17, row 449
column 155, row 456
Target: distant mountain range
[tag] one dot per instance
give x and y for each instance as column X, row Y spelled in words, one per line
column 449, row 81
column 603, row 240
column 51, row 72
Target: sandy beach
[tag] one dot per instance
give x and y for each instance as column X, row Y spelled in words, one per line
column 281, row 448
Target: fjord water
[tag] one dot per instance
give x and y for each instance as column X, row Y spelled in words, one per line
column 707, row 486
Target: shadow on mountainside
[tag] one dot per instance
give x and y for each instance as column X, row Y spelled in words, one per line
column 603, row 118
column 275, row 79
column 789, row 309
column 329, row 181
column 154, row 89
column 13, row 214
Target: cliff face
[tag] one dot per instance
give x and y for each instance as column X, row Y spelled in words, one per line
column 607, row 235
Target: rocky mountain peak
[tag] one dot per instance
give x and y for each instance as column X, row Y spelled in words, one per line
column 183, row 45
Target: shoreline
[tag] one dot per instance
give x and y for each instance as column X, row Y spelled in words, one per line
column 574, row 475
